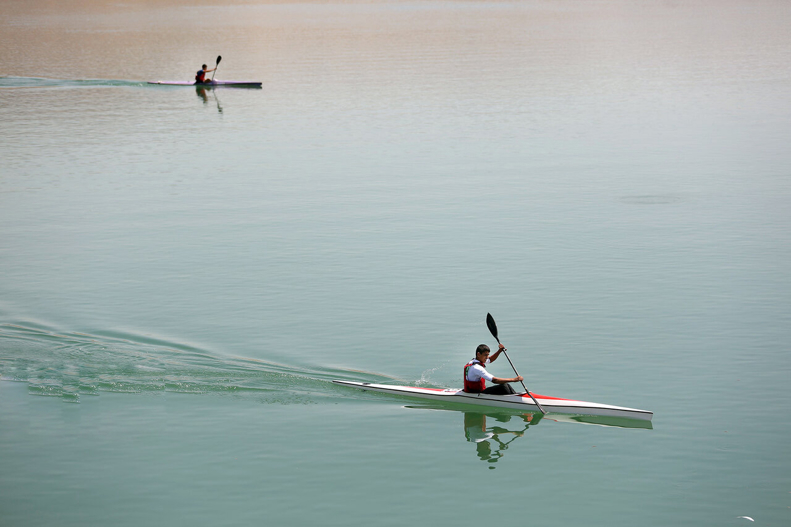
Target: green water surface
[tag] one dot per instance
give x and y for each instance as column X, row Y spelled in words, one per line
column 183, row 272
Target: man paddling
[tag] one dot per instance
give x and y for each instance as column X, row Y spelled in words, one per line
column 200, row 77
column 475, row 374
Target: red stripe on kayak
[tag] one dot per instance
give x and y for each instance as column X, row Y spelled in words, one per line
column 523, row 395
column 547, row 397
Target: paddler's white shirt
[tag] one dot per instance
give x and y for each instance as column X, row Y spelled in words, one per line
column 477, row 371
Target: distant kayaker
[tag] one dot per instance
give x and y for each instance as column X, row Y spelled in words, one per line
column 475, row 374
column 200, row 77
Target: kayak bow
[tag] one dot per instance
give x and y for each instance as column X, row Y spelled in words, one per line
column 522, row 401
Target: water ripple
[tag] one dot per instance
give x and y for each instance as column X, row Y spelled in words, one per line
column 42, row 82
column 71, row 364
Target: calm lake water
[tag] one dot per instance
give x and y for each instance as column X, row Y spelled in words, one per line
column 184, row 271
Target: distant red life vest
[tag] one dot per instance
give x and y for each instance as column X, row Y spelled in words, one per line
column 200, row 76
column 473, row 386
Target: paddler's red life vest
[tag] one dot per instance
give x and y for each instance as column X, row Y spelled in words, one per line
column 473, row 386
column 200, row 76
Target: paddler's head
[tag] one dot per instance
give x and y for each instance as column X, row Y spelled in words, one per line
column 482, row 352
column 204, row 66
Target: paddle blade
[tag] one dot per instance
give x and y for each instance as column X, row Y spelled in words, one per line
column 492, row 326
column 219, row 58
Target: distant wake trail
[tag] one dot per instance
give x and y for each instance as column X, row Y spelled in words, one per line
column 40, row 82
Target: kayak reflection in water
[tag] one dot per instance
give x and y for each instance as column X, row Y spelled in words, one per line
column 487, row 440
column 203, row 93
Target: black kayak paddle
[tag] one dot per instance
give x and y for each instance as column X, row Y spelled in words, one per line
column 219, row 58
column 493, row 329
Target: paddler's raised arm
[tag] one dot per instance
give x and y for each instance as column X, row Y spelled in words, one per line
column 493, row 356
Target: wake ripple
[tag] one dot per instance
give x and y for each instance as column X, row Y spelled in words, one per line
column 40, row 82
column 71, row 365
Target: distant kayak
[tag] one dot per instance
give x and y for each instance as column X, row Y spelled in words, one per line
column 553, row 405
column 212, row 84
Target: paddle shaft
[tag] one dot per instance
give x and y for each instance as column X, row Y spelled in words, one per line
column 493, row 329
column 522, row 382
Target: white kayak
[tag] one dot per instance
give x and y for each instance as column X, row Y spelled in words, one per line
column 552, row 405
column 212, row 84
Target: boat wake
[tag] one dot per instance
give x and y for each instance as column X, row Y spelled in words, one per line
column 40, row 82
column 70, row 365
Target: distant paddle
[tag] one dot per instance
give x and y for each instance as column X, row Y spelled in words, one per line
column 219, row 58
column 493, row 329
